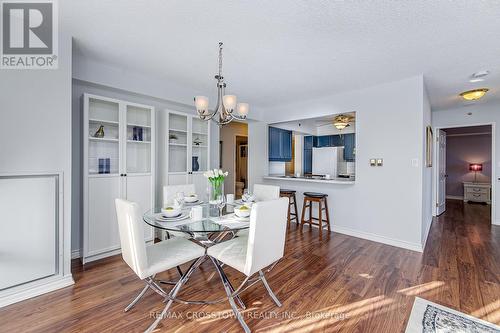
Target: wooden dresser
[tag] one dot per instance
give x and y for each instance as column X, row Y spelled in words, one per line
column 477, row 192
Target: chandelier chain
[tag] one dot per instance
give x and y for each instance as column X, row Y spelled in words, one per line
column 220, row 59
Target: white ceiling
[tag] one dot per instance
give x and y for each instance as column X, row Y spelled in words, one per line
column 285, row 50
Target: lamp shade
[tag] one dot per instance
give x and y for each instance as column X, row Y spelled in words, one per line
column 242, row 109
column 475, row 167
column 201, row 103
column 229, row 102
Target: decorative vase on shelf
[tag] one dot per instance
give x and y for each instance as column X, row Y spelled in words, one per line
column 100, row 132
column 196, row 164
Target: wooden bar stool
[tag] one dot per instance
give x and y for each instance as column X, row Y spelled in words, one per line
column 320, row 198
column 292, row 203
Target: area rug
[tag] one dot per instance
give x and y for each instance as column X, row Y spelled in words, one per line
column 428, row 317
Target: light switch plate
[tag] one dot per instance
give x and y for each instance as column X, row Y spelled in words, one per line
column 373, row 162
column 380, row 161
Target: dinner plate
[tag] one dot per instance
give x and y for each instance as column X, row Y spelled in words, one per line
column 197, row 202
column 241, row 219
column 180, row 217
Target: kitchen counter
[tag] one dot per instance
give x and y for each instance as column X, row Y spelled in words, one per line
column 344, row 181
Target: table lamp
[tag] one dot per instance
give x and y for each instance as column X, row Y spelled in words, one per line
column 475, row 167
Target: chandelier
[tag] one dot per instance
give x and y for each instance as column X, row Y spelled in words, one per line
column 226, row 108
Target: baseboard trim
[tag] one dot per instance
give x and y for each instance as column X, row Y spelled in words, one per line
column 75, row 254
column 496, row 222
column 454, row 197
column 21, row 293
column 377, row 238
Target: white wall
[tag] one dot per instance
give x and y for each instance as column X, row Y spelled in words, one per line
column 81, row 87
column 385, row 203
column 479, row 114
column 35, row 133
column 426, row 172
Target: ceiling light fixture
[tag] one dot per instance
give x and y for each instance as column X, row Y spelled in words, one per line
column 226, row 104
column 342, row 121
column 475, row 94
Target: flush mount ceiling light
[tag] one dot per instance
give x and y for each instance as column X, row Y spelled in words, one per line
column 226, row 104
column 473, row 95
column 342, row 121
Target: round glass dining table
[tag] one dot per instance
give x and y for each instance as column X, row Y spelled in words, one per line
column 200, row 230
column 210, row 230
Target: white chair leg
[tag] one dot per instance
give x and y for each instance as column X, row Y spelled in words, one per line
column 174, row 292
column 270, row 292
column 230, row 298
column 134, row 302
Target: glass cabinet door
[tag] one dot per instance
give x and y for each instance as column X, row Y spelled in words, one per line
column 138, row 139
column 103, row 137
column 177, row 143
column 199, row 145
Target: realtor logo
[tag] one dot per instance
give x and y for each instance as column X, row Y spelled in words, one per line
column 29, row 34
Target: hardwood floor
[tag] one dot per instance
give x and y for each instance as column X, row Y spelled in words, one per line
column 341, row 284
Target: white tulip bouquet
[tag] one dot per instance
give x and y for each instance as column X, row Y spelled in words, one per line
column 216, row 179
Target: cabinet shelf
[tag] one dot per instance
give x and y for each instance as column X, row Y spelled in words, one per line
column 178, row 144
column 138, row 125
column 91, row 138
column 137, row 141
column 177, row 130
column 104, row 122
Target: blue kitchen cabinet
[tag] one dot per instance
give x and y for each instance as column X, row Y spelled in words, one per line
column 324, row 141
column 336, row 141
column 308, row 161
column 308, row 142
column 280, row 145
column 349, row 147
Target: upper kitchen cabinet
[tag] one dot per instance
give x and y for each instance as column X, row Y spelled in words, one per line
column 349, row 147
column 280, row 145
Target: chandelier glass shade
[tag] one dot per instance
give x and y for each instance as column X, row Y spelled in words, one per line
column 227, row 108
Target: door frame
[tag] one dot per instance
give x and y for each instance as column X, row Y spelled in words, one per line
column 235, row 140
column 435, row 165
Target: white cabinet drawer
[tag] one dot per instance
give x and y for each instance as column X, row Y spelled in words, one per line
column 477, row 190
column 477, row 197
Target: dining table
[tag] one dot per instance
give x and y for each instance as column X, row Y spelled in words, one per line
column 215, row 226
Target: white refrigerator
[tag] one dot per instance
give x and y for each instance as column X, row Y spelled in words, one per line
column 327, row 161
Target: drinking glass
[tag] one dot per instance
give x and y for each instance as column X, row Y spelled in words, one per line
column 221, row 202
column 180, row 198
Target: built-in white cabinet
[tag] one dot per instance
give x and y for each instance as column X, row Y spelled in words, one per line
column 186, row 144
column 118, row 162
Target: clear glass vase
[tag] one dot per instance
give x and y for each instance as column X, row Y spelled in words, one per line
column 214, row 190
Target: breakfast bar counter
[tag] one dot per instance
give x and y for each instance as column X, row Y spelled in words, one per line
column 343, row 181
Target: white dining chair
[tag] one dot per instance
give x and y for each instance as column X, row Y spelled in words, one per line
column 264, row 246
column 147, row 261
column 266, row 192
column 169, row 194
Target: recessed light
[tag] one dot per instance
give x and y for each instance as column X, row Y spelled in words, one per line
column 475, row 94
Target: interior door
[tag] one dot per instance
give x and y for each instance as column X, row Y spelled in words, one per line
column 441, row 192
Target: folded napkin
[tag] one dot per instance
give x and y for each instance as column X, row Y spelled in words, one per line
column 230, row 221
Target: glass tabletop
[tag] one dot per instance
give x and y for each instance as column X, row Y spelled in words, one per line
column 210, row 222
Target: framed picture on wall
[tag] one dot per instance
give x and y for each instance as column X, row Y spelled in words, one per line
column 428, row 146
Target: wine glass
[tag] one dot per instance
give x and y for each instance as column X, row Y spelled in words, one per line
column 221, row 202
column 180, row 198
column 245, row 195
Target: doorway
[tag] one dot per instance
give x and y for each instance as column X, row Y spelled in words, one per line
column 464, row 166
column 234, row 156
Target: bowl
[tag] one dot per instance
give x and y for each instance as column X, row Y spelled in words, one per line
column 191, row 198
column 171, row 211
column 242, row 211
